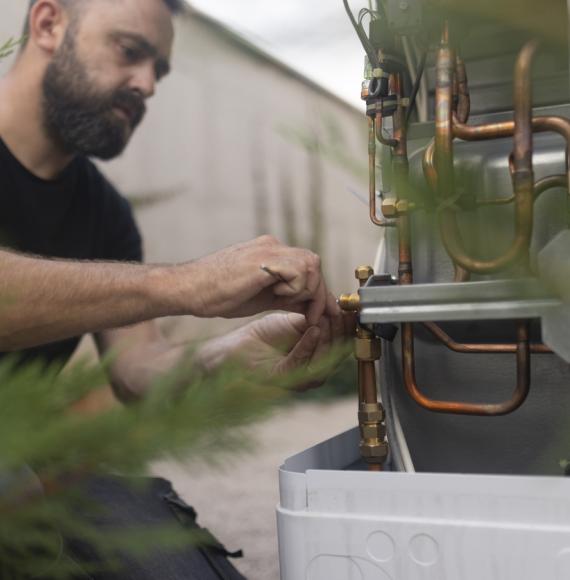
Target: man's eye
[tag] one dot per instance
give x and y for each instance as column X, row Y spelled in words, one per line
column 130, row 53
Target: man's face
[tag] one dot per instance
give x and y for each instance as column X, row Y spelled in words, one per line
column 96, row 85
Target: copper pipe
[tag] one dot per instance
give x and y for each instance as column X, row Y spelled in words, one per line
column 463, row 107
column 379, row 136
column 460, row 274
column 428, row 166
column 550, row 182
column 372, row 176
column 400, row 128
column 367, row 382
column 401, row 168
column 444, row 173
column 541, row 186
column 552, row 123
column 483, row 348
column 482, row 409
column 522, row 176
column 372, row 171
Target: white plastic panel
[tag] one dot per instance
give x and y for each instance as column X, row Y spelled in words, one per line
column 397, row 526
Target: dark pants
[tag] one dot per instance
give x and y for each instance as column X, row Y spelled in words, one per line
column 116, row 504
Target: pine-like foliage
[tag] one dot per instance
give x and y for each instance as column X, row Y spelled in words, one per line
column 185, row 415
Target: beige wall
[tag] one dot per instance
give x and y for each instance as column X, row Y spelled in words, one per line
column 227, row 149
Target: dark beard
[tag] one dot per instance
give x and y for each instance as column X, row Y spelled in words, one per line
column 80, row 119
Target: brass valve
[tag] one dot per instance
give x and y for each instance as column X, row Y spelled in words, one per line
column 351, row 302
column 367, row 350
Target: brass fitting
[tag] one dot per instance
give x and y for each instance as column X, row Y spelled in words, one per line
column 373, row 432
column 373, row 445
column 363, row 273
column 349, row 302
column 392, row 208
column 370, row 413
column 367, row 349
column 374, row 451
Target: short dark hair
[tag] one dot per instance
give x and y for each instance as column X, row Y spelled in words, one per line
column 175, row 6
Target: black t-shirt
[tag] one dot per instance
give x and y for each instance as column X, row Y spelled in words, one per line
column 78, row 216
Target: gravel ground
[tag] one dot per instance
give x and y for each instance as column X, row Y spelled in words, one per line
column 238, row 503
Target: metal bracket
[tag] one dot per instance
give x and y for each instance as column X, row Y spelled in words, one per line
column 500, row 299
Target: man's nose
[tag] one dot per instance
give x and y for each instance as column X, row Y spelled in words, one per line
column 143, row 80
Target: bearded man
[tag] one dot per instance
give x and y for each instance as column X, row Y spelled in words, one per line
column 71, row 260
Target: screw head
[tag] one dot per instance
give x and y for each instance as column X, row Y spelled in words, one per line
column 404, row 5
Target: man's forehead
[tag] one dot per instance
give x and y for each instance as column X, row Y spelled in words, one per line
column 150, row 20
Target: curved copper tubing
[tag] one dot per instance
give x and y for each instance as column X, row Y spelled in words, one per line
column 372, row 171
column 483, row 348
column 522, row 159
column 461, row 87
column 372, row 175
column 405, row 272
column 549, row 182
column 483, row 409
column 379, row 136
column 428, row 166
column 552, row 124
column 460, row 274
column 541, row 186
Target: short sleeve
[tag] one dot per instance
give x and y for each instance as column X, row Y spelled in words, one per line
column 117, row 236
column 123, row 241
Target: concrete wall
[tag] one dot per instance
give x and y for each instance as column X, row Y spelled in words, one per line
column 236, row 145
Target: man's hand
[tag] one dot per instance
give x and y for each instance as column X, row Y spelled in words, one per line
column 277, row 344
column 250, row 278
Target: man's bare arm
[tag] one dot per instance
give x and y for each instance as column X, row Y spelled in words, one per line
column 43, row 301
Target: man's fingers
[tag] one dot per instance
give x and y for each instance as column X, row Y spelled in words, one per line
column 297, row 271
column 318, row 304
column 335, row 315
column 302, row 353
column 324, row 343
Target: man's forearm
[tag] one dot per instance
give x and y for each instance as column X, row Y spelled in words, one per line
column 43, row 300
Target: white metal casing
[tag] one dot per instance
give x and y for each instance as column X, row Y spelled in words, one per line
column 356, row 525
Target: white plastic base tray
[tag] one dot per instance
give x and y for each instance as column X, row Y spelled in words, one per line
column 356, row 525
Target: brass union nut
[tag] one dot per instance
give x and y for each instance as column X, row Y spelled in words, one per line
column 392, row 208
column 373, row 431
column 371, row 416
column 363, row 273
column 374, row 451
column 371, row 413
column 389, row 208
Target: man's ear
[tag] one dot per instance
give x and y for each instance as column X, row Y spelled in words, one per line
column 48, row 22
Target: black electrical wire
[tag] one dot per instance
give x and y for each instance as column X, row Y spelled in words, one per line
column 416, row 87
column 368, row 47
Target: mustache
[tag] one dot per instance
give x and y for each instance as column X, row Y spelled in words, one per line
column 132, row 102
